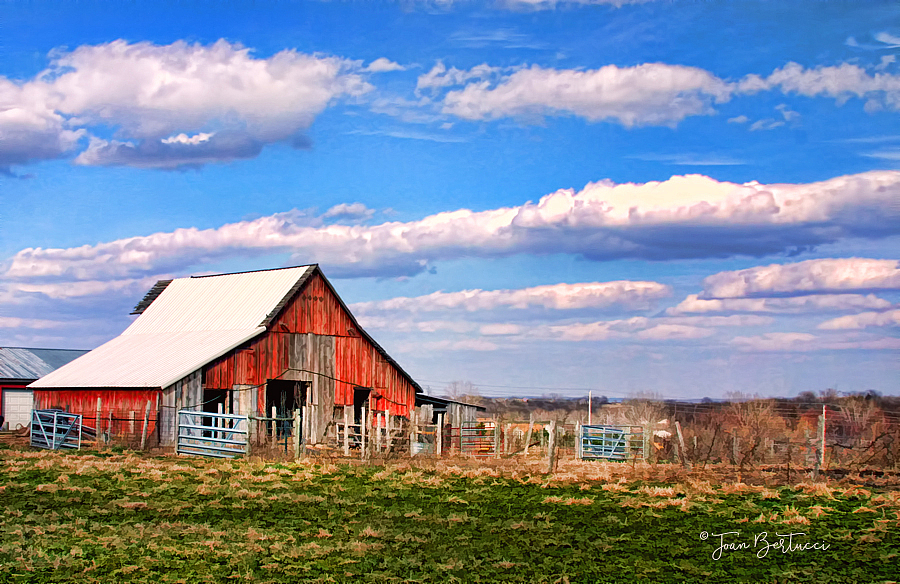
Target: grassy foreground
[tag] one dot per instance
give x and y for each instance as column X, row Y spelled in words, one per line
column 127, row 518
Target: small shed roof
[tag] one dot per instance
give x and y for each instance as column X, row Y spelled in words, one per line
column 26, row 365
column 186, row 324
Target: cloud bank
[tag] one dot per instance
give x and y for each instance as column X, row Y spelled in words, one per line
column 684, row 217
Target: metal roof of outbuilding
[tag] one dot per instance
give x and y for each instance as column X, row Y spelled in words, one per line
column 26, row 365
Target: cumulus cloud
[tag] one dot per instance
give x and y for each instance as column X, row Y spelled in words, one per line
column 383, row 65
column 840, row 82
column 684, row 217
column 808, row 277
column 180, row 104
column 647, row 94
column 889, row 318
column 556, row 297
column 11, row 322
column 794, row 305
column 29, row 129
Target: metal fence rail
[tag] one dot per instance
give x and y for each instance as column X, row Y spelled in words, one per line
column 610, row 443
column 477, row 440
column 209, row 434
column 55, row 429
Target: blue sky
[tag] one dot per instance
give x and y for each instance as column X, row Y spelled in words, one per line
column 678, row 197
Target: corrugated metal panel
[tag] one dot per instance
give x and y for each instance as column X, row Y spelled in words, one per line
column 148, row 360
column 217, row 303
column 31, row 364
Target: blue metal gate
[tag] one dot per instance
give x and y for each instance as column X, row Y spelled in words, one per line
column 55, row 429
column 209, row 434
column 611, row 443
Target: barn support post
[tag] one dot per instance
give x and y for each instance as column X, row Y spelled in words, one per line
column 506, row 446
column 347, row 413
column 146, row 423
column 530, row 429
column 647, row 436
column 551, row 447
column 439, row 436
column 295, row 434
column 274, row 425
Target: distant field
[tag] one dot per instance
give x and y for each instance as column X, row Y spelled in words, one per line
column 127, row 518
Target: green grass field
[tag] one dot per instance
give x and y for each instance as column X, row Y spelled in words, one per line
column 127, row 518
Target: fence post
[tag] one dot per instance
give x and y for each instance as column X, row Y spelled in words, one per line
column 506, row 446
column 820, row 450
column 146, row 423
column 304, row 428
column 347, row 410
column 439, row 436
column 496, row 437
column 413, row 418
column 295, row 434
column 530, row 428
column 97, row 423
column 647, row 432
column 177, row 429
column 551, row 443
column 578, row 440
column 682, row 454
column 367, row 414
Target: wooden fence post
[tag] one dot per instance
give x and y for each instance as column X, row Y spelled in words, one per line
column 439, row 436
column 528, row 436
column 682, row 455
column 146, row 423
column 551, row 443
column 368, row 431
column 295, row 433
column 347, row 413
column 97, row 423
column 496, row 437
column 506, row 446
column 413, row 419
column 578, row 440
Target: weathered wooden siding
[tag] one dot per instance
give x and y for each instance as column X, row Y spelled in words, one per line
column 313, row 339
column 185, row 394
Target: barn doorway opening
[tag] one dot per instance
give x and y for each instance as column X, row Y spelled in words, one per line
column 360, row 400
column 215, row 401
column 285, row 397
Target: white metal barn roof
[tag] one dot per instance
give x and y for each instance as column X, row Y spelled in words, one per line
column 191, row 322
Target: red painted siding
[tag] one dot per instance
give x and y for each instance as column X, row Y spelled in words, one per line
column 119, row 402
column 356, row 361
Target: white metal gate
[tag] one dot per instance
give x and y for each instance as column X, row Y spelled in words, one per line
column 209, row 434
column 55, row 429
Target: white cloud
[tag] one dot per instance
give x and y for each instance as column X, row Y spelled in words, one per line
column 863, row 320
column 500, row 329
column 180, row 104
column 684, row 217
column 29, row 129
column 383, row 65
column 738, row 120
column 808, row 277
column 11, row 322
column 793, row 305
column 439, row 76
column 647, row 94
column 805, row 342
column 555, row 297
column 349, row 211
column 840, row 82
column 766, row 124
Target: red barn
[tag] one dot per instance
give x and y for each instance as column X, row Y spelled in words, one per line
column 245, row 342
column 18, row 368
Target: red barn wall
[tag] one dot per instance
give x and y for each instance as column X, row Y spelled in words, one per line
column 356, row 361
column 118, row 402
